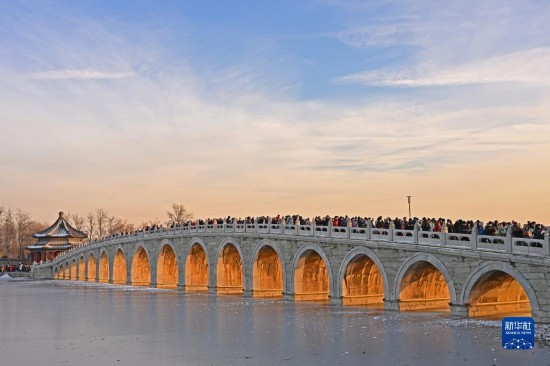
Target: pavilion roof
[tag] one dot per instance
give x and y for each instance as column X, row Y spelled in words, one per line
column 60, row 229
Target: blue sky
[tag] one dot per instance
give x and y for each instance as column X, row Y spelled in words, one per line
column 312, row 105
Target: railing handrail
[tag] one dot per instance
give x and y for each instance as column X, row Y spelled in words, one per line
column 508, row 244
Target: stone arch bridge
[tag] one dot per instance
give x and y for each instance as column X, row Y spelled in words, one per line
column 400, row 270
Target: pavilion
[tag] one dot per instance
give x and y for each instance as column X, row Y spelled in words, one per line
column 59, row 237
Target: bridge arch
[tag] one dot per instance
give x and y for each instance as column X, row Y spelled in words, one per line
column 229, row 268
column 67, row 271
column 119, row 267
column 311, row 274
column 141, row 267
column 74, row 270
column 424, row 283
column 104, row 266
column 92, row 268
column 167, row 265
column 268, row 270
column 362, row 279
column 81, row 269
column 197, row 266
column 57, row 272
column 498, row 289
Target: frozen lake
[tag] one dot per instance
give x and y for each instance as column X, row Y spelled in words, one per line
column 71, row 323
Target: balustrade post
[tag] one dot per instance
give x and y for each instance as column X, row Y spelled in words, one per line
column 330, row 228
column 443, row 234
column 508, row 241
column 473, row 244
column 282, row 224
column 313, row 226
column 390, row 231
column 415, row 232
column 369, row 229
column 546, row 244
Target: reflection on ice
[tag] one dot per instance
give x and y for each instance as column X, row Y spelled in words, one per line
column 78, row 323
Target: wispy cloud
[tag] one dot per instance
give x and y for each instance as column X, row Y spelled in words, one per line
column 530, row 66
column 165, row 131
column 78, row 75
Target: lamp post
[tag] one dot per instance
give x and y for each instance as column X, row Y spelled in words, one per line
column 409, row 200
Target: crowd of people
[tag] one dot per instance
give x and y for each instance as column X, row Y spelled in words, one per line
column 9, row 267
column 530, row 230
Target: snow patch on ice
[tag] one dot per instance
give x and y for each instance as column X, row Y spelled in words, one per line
column 111, row 286
column 475, row 322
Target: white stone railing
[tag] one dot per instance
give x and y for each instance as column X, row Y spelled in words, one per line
column 504, row 244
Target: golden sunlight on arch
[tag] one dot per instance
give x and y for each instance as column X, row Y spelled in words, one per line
column 196, row 269
column 81, row 269
column 66, row 272
column 311, row 278
column 104, row 268
column 58, row 272
column 267, row 277
column 91, row 269
column 119, row 268
column 167, row 268
column 229, row 271
column 424, row 287
column 141, row 270
column 362, row 283
column 497, row 294
column 73, row 270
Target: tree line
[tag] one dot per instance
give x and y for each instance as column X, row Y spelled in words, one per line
column 17, row 226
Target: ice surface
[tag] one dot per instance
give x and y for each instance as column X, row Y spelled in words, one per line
column 75, row 323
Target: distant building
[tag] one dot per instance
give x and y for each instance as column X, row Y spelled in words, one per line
column 59, row 237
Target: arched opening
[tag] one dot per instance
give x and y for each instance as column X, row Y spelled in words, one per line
column 92, row 269
column 67, row 272
column 73, row 270
column 196, row 269
column 267, row 276
column 229, row 271
column 141, row 270
column 424, row 287
column 58, row 273
column 362, row 283
column 311, row 279
column 167, row 268
column 497, row 294
column 81, row 269
column 104, row 268
column 119, row 268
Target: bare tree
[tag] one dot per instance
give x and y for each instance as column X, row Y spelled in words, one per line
column 115, row 225
column 101, row 220
column 90, row 225
column 76, row 220
column 178, row 214
column 2, row 241
column 9, row 231
column 129, row 227
column 23, row 222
